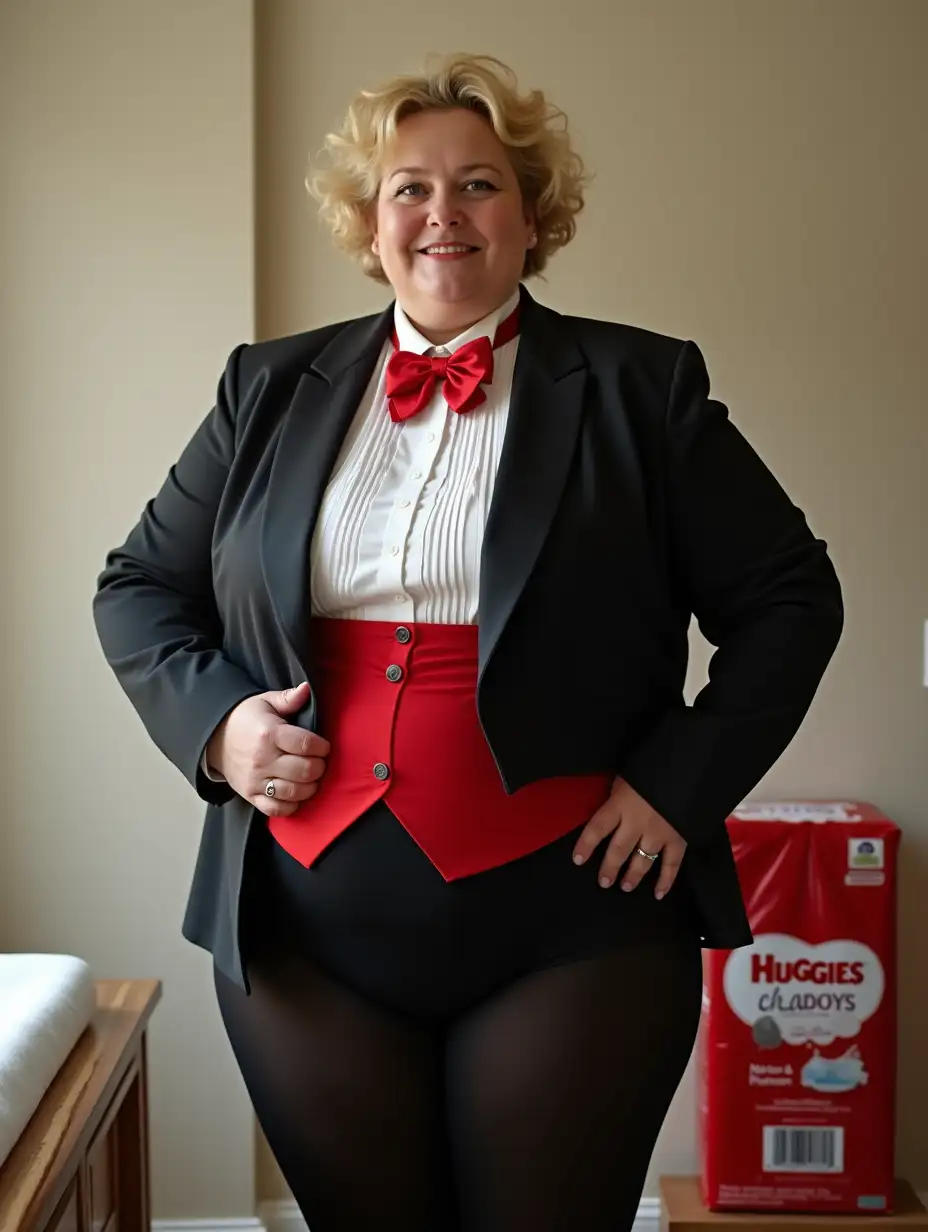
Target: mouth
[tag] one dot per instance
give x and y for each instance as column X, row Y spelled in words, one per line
column 448, row 252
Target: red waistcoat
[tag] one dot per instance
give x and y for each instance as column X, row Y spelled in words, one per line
column 398, row 705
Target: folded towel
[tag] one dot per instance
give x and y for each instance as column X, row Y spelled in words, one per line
column 46, row 1002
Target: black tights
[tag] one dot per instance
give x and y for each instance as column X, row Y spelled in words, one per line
column 537, row 1109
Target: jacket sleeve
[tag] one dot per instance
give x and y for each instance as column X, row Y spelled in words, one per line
column 763, row 591
column 155, row 609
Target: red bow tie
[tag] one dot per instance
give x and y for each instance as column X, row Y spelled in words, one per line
column 411, row 378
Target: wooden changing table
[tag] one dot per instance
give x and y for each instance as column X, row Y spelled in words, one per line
column 81, row 1164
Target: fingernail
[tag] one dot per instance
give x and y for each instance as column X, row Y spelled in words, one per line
column 605, row 882
column 627, row 885
column 578, row 858
column 660, row 894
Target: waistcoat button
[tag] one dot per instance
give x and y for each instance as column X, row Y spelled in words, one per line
column 403, row 635
column 394, row 672
column 381, row 771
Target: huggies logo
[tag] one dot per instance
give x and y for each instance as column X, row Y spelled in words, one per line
column 766, row 967
column 788, row 991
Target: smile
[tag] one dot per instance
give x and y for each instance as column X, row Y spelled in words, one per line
column 448, row 250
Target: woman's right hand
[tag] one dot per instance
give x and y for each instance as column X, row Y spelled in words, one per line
column 254, row 744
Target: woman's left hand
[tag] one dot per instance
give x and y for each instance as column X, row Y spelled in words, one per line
column 632, row 823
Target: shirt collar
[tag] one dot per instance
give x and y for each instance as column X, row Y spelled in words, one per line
column 411, row 340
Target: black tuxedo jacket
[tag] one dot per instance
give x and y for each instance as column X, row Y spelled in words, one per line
column 625, row 502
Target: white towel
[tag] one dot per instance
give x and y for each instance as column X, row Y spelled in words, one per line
column 46, row 1001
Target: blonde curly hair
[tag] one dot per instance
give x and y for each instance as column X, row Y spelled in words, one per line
column 534, row 132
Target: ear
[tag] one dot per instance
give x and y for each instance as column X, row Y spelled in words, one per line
column 370, row 217
column 531, row 227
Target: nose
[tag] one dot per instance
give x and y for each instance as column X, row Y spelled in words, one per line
column 444, row 211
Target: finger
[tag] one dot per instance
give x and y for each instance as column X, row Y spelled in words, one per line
column 278, row 805
column 290, row 739
column 620, row 848
column 298, row 769
column 671, row 859
column 289, row 701
column 288, row 792
column 273, row 808
column 284, row 790
column 638, row 869
column 602, row 823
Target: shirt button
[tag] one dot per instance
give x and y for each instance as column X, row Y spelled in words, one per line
column 381, row 771
column 400, row 598
column 394, row 551
column 430, row 437
column 404, row 504
column 417, row 474
column 403, row 635
column 394, row 673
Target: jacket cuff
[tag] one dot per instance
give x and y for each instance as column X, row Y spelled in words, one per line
column 210, row 774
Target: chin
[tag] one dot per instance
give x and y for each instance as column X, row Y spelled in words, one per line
column 452, row 293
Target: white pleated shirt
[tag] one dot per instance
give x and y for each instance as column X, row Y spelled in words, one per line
column 400, row 528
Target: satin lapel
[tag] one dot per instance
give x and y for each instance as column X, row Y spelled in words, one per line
column 544, row 418
column 314, row 427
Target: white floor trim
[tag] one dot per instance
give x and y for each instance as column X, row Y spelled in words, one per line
column 286, row 1217
column 648, row 1218
column 209, row 1225
column 282, row 1217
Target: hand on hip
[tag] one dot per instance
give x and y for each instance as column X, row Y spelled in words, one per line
column 639, row 836
column 265, row 759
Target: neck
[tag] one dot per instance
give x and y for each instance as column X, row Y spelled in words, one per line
column 440, row 335
column 442, row 322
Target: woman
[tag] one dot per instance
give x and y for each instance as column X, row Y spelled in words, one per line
column 411, row 615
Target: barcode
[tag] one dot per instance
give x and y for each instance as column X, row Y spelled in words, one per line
column 789, row 1149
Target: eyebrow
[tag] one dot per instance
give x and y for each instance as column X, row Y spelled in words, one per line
column 460, row 171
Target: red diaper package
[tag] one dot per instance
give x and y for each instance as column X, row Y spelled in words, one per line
column 798, row 1040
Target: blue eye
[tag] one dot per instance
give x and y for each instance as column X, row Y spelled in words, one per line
column 416, row 190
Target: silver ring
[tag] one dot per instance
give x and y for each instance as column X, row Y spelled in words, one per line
column 647, row 855
column 270, row 789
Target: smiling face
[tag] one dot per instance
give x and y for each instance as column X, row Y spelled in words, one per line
column 451, row 228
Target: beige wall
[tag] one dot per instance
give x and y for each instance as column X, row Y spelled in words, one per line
column 761, row 187
column 126, row 241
